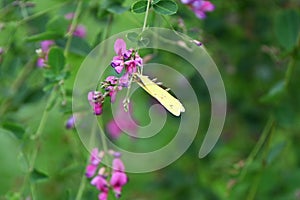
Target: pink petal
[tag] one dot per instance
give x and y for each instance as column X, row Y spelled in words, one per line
column 80, row 31
column 113, row 129
column 120, row 46
column 103, row 196
column 118, row 165
column 90, row 170
column 207, row 6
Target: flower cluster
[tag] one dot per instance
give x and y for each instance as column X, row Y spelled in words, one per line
column 199, row 7
column 126, row 60
column 118, row 177
column 43, row 52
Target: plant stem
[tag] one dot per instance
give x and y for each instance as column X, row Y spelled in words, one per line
column 290, row 69
column 72, row 27
column 83, row 177
column 146, row 15
column 259, row 144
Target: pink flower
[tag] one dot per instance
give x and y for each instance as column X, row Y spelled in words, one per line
column 117, row 181
column 46, row 44
column 123, row 121
column 118, row 178
column 91, row 170
column 199, row 7
column 112, row 87
column 80, row 31
column 95, row 160
column 120, row 47
column 69, row 15
column 103, row 196
column 100, row 182
column 43, row 52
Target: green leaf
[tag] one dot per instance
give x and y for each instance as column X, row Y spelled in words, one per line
column 38, row 176
column 117, row 9
column 58, row 24
column 287, row 28
column 275, row 151
column 165, row 7
column 132, row 36
column 44, row 36
column 139, row 6
column 275, row 93
column 56, row 59
column 15, row 128
column 155, row 1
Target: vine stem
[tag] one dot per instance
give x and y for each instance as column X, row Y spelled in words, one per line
column 72, row 27
column 146, row 15
column 259, row 144
column 36, row 138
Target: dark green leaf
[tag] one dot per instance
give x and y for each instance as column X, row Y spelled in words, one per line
column 287, row 28
column 139, row 6
column 165, row 7
column 59, row 25
column 56, row 59
column 117, row 9
column 133, row 37
column 16, row 129
column 38, row 176
column 44, row 36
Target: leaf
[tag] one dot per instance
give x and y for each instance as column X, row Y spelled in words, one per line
column 155, row 1
column 44, row 36
column 139, row 6
column 132, row 36
column 287, row 28
column 56, row 59
column 15, row 128
column 38, row 176
column 275, row 93
column 58, row 24
column 275, row 151
column 117, row 9
column 165, row 7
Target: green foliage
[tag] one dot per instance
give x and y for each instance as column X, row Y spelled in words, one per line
column 255, row 45
column 162, row 7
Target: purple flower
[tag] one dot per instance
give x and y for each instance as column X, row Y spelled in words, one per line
column 199, row 7
column 71, row 122
column 96, row 101
column 113, row 88
column 103, row 196
column 40, row 62
column 118, row 165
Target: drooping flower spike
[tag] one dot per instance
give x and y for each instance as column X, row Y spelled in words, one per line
column 118, row 177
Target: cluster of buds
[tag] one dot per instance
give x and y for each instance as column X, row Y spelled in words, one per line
column 126, row 60
column 199, row 7
column 104, row 181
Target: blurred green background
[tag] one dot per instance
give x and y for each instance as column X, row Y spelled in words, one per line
column 255, row 45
